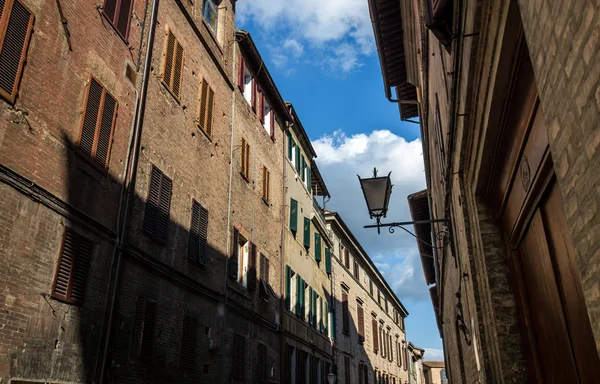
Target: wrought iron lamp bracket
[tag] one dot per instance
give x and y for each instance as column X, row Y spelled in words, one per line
column 441, row 235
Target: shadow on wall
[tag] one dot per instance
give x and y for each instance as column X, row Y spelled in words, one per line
column 168, row 323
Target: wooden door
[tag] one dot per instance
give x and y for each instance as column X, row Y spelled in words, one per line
column 546, row 282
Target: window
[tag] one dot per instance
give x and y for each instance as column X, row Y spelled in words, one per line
column 118, row 12
column 347, row 369
column 361, row 321
column 297, row 158
column 293, row 215
column 346, row 258
column 173, row 66
column 158, row 206
column 317, row 247
column 386, row 306
column 187, row 355
column 356, row 270
column 246, row 82
column 439, row 140
column 98, row 123
column 398, row 357
column 345, row 314
column 205, row 109
column 303, row 170
column 308, row 309
column 242, row 263
column 382, row 339
column 143, row 328
column 307, row 232
column 389, row 343
column 261, row 364
column 363, row 373
column 266, row 177
column 293, row 290
column 374, row 332
column 268, row 119
column 264, row 268
column 291, row 145
column 198, row 234
column 72, row 269
column 438, row 19
column 379, row 297
column 245, row 160
column 210, row 14
column 238, row 356
column 14, row 40
column 319, row 314
column 328, row 260
column 371, row 287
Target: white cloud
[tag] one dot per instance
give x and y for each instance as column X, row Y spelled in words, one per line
column 433, row 354
column 340, row 159
column 337, row 31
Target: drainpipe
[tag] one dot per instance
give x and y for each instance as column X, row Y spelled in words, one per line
column 282, row 258
column 130, row 181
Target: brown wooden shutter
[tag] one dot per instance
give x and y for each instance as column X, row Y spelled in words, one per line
column 261, row 366
column 361, row 322
column 261, row 107
column 198, row 234
column 143, row 329
column 233, row 260
column 14, row 40
column 209, row 111
column 375, row 338
column 272, row 123
column 188, row 353
column 345, row 314
column 158, row 206
column 205, row 109
column 110, row 9
column 124, row 17
column 173, row 65
column 252, row 268
column 247, row 168
column 238, row 356
column 72, row 269
column 97, row 125
column 253, row 100
column 241, row 72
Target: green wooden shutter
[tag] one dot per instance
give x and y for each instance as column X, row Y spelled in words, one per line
column 303, row 168
column 298, row 294
column 302, row 299
column 288, row 283
column 297, row 162
column 308, row 178
column 327, row 260
column 317, row 246
column 290, row 145
column 310, row 305
column 306, row 232
column 293, row 215
column 326, row 319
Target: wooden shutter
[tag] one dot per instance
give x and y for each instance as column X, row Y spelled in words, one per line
column 205, row 109
column 238, row 356
column 245, row 159
column 252, row 268
column 97, row 125
column 306, row 232
column 173, row 65
column 347, row 369
column 347, row 258
column 234, row 259
column 118, row 12
column 375, row 337
column 158, row 206
column 143, row 328
column 265, row 184
column 290, row 145
column 328, row 260
column 261, row 106
column 317, row 246
column 299, row 294
column 16, row 25
column 356, row 269
column 188, row 353
column 303, row 173
column 261, row 364
column 272, row 123
column 71, row 273
column 264, row 268
column 288, row 287
column 345, row 314
column 297, row 159
column 253, row 100
column 293, row 215
column 241, row 72
column 361, row 322
column 197, row 251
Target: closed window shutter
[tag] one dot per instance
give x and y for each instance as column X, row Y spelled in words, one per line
column 299, row 292
column 97, row 125
column 375, row 337
column 234, row 259
column 72, row 270
column 143, row 329
column 198, row 234
column 288, row 284
column 237, row 362
column 272, row 123
column 173, row 65
column 308, row 178
column 188, row 353
column 261, row 106
column 303, row 175
column 297, row 159
column 328, row 260
column 15, row 34
column 110, row 9
column 345, row 314
column 293, row 215
column 347, row 369
column 119, row 14
column 253, row 100
column 317, row 247
column 361, row 323
column 264, row 268
column 252, row 268
column 261, row 366
column 241, row 72
column 306, row 232
column 205, row 110
column 158, row 206
column 290, row 145
column 333, row 323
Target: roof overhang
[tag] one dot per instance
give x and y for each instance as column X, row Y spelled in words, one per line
column 396, row 49
column 298, row 129
column 261, row 73
column 419, row 210
column 317, row 183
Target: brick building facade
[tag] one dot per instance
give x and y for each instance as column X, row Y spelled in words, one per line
column 507, row 98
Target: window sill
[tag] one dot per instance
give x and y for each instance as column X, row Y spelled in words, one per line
column 246, row 179
column 265, row 201
column 204, row 132
column 177, row 99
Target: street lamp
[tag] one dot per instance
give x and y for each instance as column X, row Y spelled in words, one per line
column 331, row 378
column 377, row 192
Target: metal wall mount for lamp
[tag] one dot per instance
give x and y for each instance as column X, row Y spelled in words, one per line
column 377, row 192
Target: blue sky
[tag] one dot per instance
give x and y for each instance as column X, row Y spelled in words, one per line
column 323, row 58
